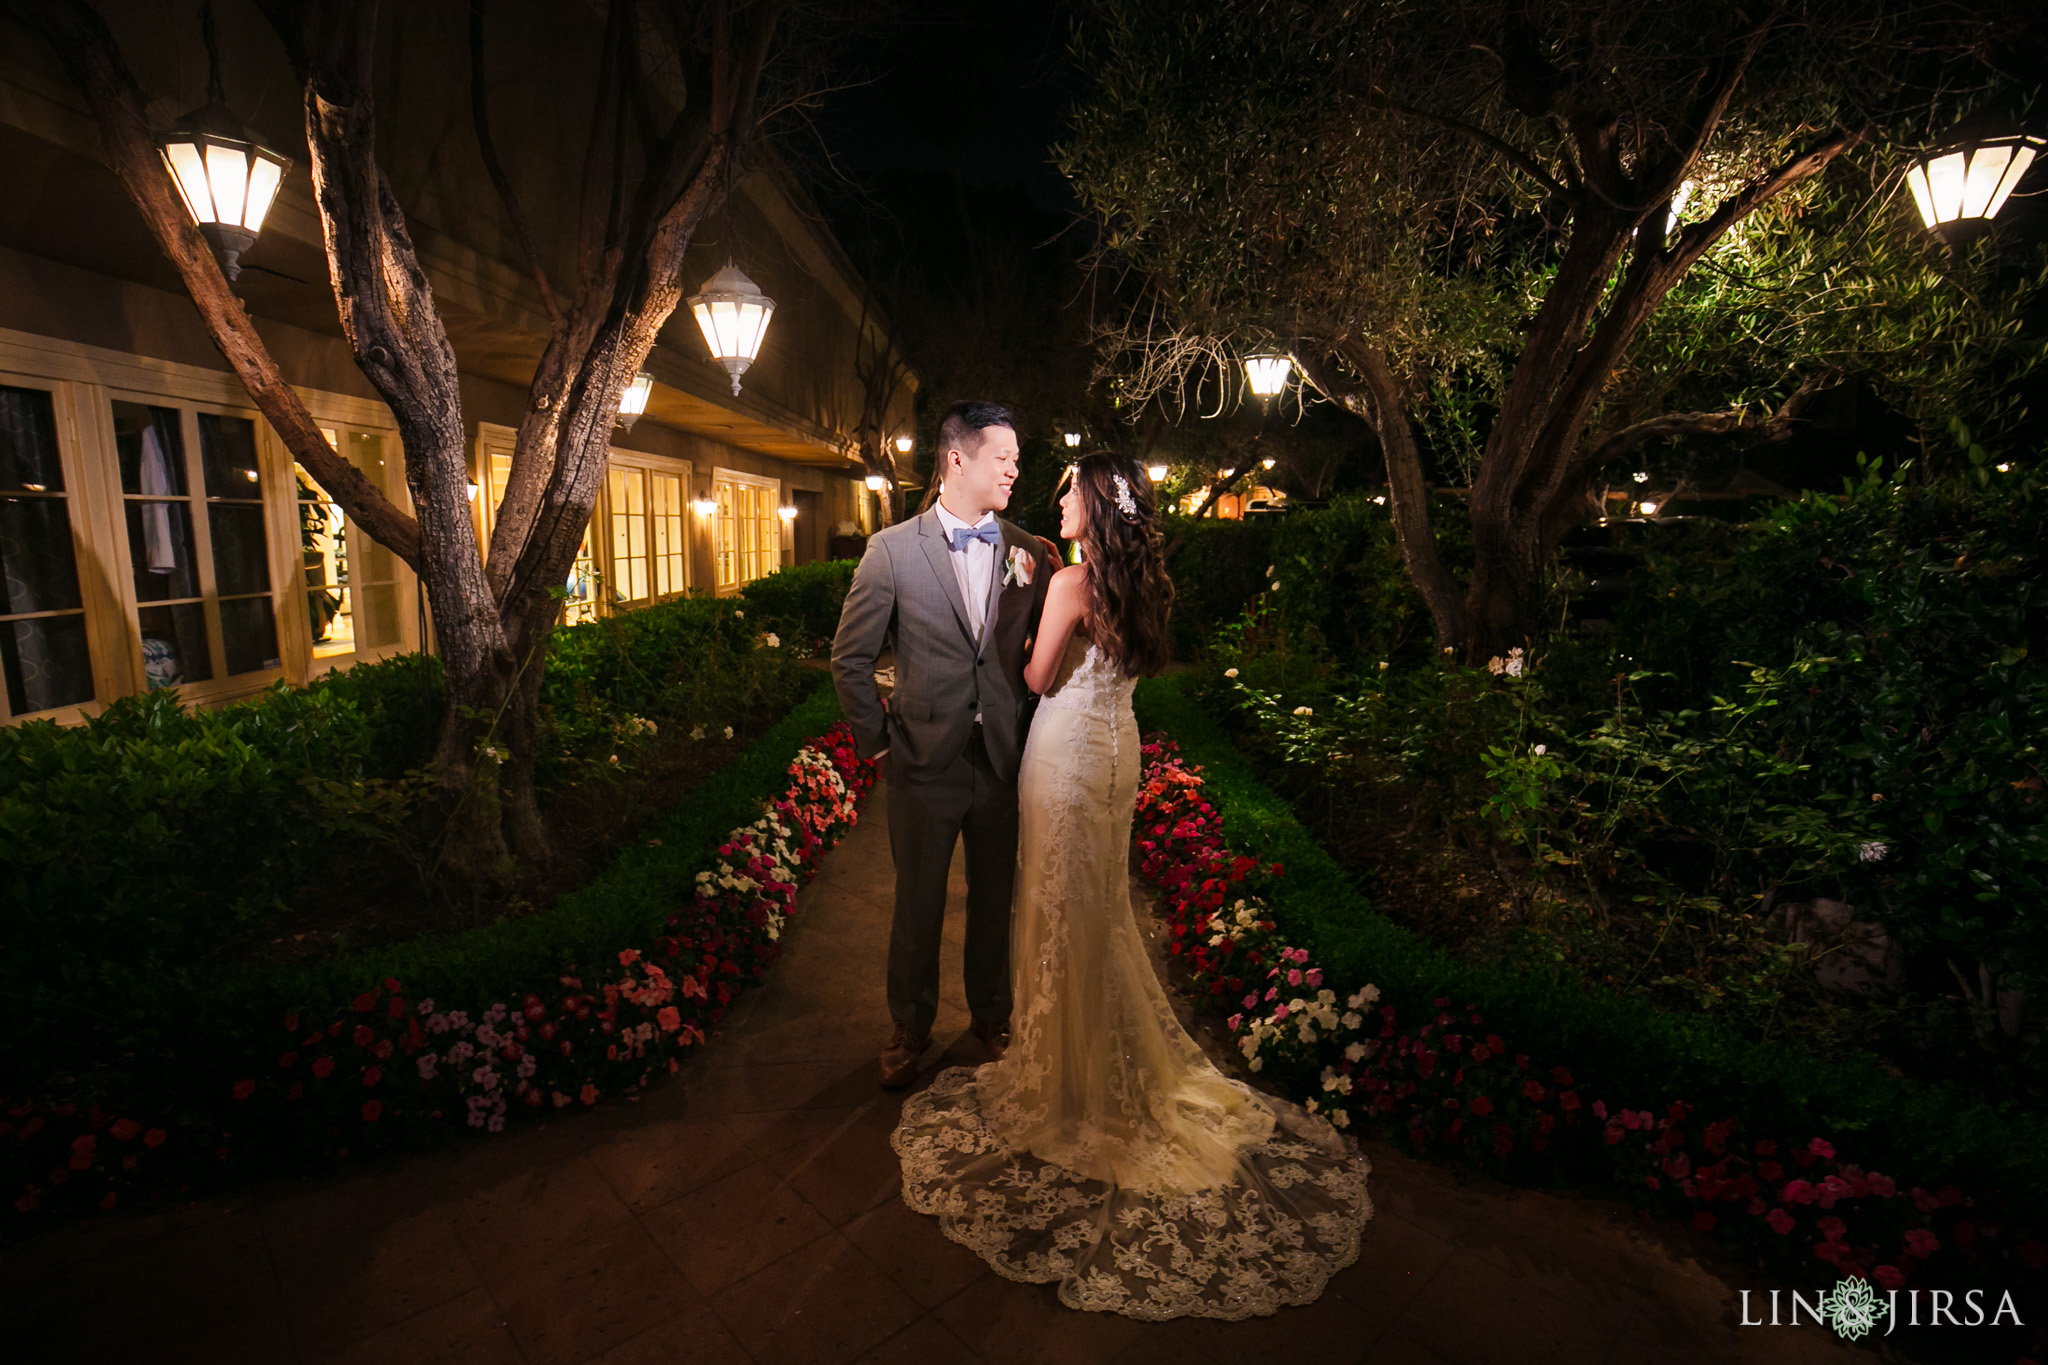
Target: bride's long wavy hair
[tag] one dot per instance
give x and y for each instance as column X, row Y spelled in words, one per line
column 1130, row 596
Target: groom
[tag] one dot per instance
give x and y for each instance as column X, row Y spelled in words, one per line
column 961, row 590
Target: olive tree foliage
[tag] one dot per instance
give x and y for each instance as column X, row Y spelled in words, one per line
column 1537, row 235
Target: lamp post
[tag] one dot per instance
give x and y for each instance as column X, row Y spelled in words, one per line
column 633, row 401
column 733, row 314
column 1960, row 187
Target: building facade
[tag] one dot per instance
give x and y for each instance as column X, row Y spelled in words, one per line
column 154, row 532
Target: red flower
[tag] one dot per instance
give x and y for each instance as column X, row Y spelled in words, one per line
column 323, row 1067
column 125, row 1129
column 589, row 1095
column 107, row 1204
column 1481, row 1106
column 372, row 1075
column 366, row 1002
column 1888, row 1277
column 1780, row 1221
column 244, row 1089
column 669, row 1018
column 391, row 984
column 154, row 1137
column 289, row 1059
column 362, row 1037
column 371, row 1109
column 1921, row 1243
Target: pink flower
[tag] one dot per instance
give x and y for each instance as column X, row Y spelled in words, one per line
column 1833, row 1228
column 1883, row 1186
column 1888, row 1277
column 670, row 1018
column 1921, row 1243
column 1294, row 976
column 1798, row 1192
column 1315, row 976
column 1820, row 1148
column 1780, row 1221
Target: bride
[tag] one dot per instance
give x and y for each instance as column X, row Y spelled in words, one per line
column 1104, row 1151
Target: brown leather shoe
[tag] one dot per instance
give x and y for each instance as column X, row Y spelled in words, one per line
column 899, row 1059
column 994, row 1035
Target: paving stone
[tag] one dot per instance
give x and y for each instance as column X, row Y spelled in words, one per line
column 666, row 1158
column 694, row 1336
column 823, row 1304
column 924, row 1342
column 734, row 1227
column 587, row 1298
column 525, row 1219
column 464, row 1331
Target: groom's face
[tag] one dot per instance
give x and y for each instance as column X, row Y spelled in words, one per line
column 981, row 473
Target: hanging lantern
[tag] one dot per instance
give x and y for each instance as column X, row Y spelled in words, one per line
column 877, row 484
column 1156, row 472
column 1073, row 439
column 1962, row 187
column 633, row 401
column 1268, row 374
column 733, row 314
column 902, row 445
column 227, row 179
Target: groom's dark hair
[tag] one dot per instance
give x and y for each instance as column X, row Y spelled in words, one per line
column 960, row 429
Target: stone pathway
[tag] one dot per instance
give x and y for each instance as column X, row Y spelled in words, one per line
column 750, row 1210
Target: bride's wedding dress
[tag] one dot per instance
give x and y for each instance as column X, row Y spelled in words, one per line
column 1105, row 1151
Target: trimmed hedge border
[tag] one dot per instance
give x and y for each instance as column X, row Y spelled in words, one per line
column 1615, row 1045
column 644, row 956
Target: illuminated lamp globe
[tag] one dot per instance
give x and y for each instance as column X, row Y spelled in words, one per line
column 1268, row 374
column 1960, row 188
column 877, row 484
column 1073, row 439
column 733, row 314
column 1156, row 472
column 633, row 400
column 787, row 513
column 227, row 179
column 704, row 507
column 903, row 445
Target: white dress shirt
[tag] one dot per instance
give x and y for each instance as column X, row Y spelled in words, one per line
column 974, row 567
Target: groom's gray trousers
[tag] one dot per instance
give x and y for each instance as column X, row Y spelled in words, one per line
column 950, row 777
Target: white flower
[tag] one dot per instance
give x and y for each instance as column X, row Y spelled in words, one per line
column 1354, row 1021
column 1495, row 665
column 1229, row 672
column 1363, row 996
column 728, row 732
column 1542, row 749
column 613, row 759
column 1383, row 665
column 1258, row 1063
column 740, row 615
column 697, row 732
column 1340, row 1118
column 1450, row 649
column 1355, row 1052
column 1269, row 570
column 1303, row 711
column 1872, row 852
column 1514, row 666
column 774, row 641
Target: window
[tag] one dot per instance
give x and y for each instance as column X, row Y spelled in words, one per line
column 749, row 532
column 627, row 490
column 668, row 514
column 43, row 647
column 198, row 556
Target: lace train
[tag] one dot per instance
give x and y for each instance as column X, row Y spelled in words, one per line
column 1104, row 1151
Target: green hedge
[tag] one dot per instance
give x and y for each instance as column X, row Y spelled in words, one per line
column 801, row 603
column 1930, row 1133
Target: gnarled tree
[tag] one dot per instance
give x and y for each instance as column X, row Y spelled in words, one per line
column 1503, row 207
column 660, row 158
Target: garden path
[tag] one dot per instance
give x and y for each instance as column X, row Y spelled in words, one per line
column 750, row 1211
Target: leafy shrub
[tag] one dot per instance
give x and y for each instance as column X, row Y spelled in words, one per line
column 801, row 604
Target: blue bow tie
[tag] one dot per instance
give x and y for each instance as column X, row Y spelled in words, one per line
column 963, row 534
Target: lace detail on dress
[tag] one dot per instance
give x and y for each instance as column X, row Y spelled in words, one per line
column 1105, row 1151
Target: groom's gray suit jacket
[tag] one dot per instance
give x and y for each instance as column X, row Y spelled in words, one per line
column 906, row 583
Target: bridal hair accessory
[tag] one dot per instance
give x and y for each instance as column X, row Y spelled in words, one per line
column 1125, row 503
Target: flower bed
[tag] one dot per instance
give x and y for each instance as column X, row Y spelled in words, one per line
column 388, row 1069
column 1446, row 1084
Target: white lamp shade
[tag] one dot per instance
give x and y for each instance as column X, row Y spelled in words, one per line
column 704, row 507
column 1972, row 180
column 1073, row 439
column 1268, row 374
column 226, row 179
column 733, row 314
column 787, row 513
column 876, row 483
column 1156, row 472
column 902, row 445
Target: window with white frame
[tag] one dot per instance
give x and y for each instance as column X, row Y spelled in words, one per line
column 748, row 531
column 45, row 651
column 645, row 513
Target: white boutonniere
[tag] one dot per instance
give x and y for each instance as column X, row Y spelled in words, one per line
column 1017, row 572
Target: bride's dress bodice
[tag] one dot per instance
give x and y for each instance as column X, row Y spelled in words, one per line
column 1105, row 1151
